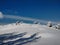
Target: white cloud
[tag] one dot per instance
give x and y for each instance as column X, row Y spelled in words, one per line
column 23, row 18
column 27, row 19
column 1, row 15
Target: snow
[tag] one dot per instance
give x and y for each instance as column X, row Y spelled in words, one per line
column 49, row 35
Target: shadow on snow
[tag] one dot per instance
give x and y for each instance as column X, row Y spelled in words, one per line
column 20, row 41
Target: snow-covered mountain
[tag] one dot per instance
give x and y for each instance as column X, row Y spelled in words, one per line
column 28, row 34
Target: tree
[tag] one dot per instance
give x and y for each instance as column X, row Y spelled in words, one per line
column 58, row 26
column 49, row 24
column 17, row 22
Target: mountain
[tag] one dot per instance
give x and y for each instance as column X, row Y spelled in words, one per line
column 28, row 34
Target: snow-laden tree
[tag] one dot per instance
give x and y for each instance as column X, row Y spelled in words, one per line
column 49, row 24
column 58, row 26
column 36, row 22
column 17, row 22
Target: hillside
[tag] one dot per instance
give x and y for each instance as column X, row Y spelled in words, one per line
column 44, row 35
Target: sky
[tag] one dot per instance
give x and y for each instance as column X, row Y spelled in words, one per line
column 39, row 9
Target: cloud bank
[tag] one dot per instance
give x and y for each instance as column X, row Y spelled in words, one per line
column 27, row 19
column 23, row 18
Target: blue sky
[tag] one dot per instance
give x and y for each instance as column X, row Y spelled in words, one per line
column 41, row 9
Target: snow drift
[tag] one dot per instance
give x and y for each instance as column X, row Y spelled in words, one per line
column 28, row 34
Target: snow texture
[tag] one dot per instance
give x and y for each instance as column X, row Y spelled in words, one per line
column 28, row 34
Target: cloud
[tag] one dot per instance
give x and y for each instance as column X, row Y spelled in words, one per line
column 1, row 15
column 23, row 18
column 27, row 19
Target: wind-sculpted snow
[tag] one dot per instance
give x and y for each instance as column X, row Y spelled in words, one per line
column 28, row 34
column 17, row 39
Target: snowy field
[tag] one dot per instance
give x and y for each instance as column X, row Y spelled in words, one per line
column 28, row 34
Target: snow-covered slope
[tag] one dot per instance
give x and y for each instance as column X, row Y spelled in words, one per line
column 32, row 34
